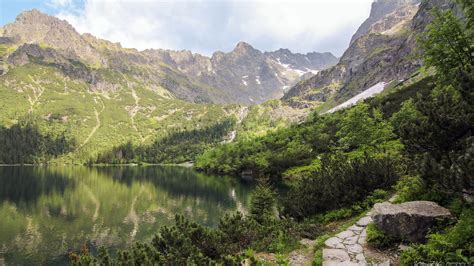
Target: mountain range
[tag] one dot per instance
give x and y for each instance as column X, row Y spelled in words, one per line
column 104, row 95
column 245, row 75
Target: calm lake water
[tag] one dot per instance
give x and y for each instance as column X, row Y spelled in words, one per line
column 45, row 212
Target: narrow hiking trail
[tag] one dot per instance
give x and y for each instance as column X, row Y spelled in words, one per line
column 37, row 93
column 346, row 248
column 98, row 123
column 349, row 247
column 133, row 112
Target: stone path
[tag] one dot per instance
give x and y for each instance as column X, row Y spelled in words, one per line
column 346, row 248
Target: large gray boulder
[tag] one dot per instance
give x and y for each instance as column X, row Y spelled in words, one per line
column 410, row 220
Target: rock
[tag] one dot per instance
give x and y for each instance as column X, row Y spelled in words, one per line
column 351, row 240
column 409, row 220
column 298, row 258
column 334, row 242
column 364, row 221
column 356, row 228
column 345, row 234
column 402, row 247
column 360, row 258
column 307, row 242
column 354, row 249
column 335, row 255
column 345, row 263
column 362, row 237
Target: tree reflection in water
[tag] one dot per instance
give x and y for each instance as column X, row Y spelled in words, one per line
column 48, row 211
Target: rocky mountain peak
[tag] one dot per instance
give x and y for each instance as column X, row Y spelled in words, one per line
column 243, row 48
column 243, row 75
column 380, row 9
column 36, row 27
column 283, row 51
column 32, row 26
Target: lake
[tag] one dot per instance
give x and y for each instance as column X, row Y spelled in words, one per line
column 45, row 212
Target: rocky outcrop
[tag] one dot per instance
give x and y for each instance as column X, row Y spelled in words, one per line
column 409, row 220
column 243, row 75
column 33, row 53
column 383, row 50
column 378, row 12
column 36, row 27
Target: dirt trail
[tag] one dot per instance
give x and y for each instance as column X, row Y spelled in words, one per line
column 98, row 124
column 37, row 93
column 133, row 112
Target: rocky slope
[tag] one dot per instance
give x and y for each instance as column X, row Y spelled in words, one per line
column 382, row 50
column 244, row 75
column 101, row 95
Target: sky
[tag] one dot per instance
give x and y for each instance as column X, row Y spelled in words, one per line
column 206, row 26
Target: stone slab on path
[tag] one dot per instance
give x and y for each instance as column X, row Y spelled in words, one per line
column 335, row 255
column 364, row 221
column 346, row 248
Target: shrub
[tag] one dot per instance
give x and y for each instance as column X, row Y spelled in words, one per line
column 454, row 245
column 318, row 247
column 336, row 215
column 409, row 188
column 377, row 238
column 339, row 184
column 262, row 203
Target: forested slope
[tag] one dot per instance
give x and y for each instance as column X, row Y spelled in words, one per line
column 340, row 164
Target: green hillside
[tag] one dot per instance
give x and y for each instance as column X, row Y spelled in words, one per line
column 96, row 120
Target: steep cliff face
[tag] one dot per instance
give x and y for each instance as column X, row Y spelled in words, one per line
column 36, row 27
column 244, row 75
column 385, row 52
column 379, row 10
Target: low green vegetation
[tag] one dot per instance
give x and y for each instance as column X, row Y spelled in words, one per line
column 177, row 147
column 453, row 244
column 339, row 184
column 353, row 132
column 23, row 143
column 126, row 110
column 377, row 238
column 416, row 139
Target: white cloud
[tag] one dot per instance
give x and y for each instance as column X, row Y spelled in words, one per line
column 209, row 25
column 59, row 3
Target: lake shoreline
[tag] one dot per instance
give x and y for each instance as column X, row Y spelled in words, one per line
column 186, row 164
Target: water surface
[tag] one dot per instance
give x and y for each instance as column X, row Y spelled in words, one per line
column 45, row 212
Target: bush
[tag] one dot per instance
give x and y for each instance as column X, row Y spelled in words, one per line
column 377, row 238
column 318, row 247
column 454, row 245
column 409, row 188
column 336, row 215
column 339, row 184
column 262, row 203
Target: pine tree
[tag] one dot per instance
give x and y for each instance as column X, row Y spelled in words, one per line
column 262, row 202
